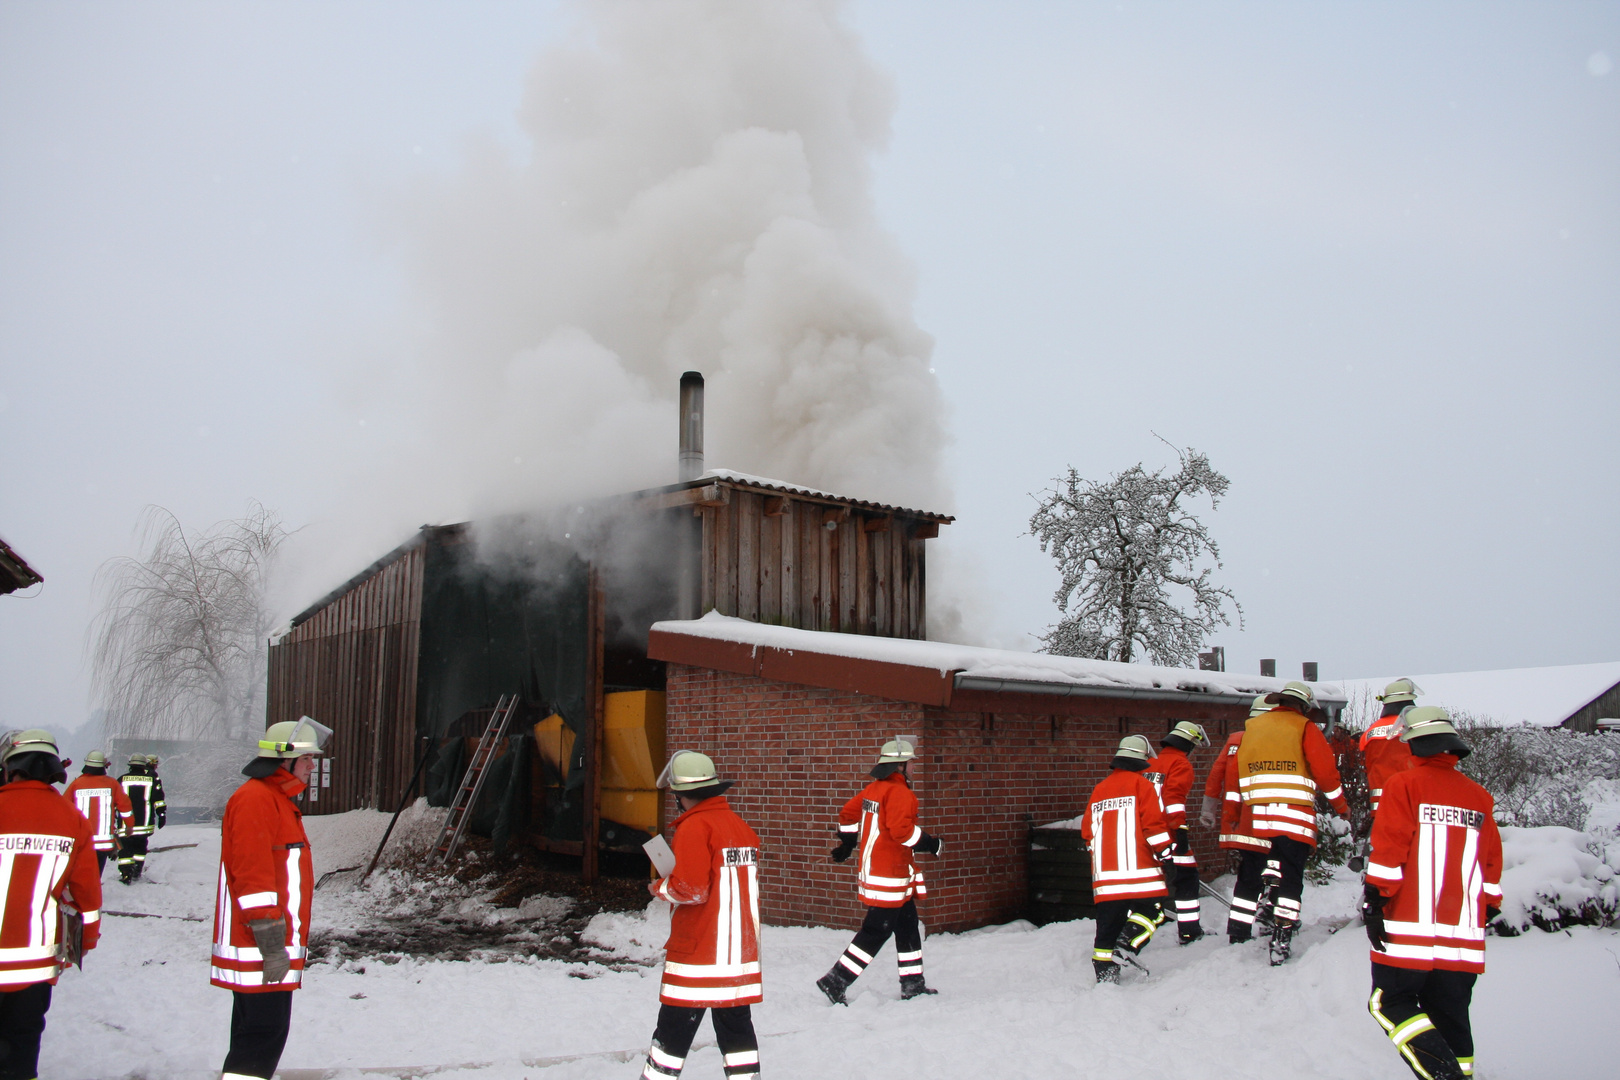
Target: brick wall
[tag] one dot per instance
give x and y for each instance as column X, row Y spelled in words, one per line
column 797, row 753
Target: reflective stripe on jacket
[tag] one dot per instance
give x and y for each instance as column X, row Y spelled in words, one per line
column 104, row 804
column 1437, row 857
column 265, row 871
column 712, row 957
column 884, row 817
column 1125, row 829
column 47, row 862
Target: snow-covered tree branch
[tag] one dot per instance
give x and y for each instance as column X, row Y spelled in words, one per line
column 179, row 648
column 1136, row 563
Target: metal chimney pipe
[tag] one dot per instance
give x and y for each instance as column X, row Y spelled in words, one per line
column 691, row 463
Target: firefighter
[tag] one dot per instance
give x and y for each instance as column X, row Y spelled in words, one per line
column 49, row 882
column 881, row 822
column 1282, row 764
column 1383, row 752
column 104, row 804
column 1126, row 831
column 266, row 882
column 146, row 816
column 1172, row 774
column 711, row 960
column 1433, row 885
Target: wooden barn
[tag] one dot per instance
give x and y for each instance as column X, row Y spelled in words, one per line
column 417, row 648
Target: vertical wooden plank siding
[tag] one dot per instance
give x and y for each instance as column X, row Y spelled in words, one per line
column 788, row 532
column 852, row 552
column 725, row 559
column 711, row 545
column 770, row 568
column 352, row 665
column 748, row 506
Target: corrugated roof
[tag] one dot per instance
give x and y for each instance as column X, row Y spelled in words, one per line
column 765, row 483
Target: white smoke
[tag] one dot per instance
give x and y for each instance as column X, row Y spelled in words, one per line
column 698, row 196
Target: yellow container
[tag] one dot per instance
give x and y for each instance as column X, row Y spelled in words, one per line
column 632, row 752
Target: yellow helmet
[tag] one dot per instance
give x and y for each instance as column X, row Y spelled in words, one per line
column 294, row 738
column 689, row 770
column 1135, row 747
column 1401, row 690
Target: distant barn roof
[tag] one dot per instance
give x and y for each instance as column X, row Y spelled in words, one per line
column 1544, row 696
column 15, row 573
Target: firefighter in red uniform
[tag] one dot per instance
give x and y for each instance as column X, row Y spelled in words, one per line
column 1172, row 774
column 266, row 882
column 1283, row 762
column 881, row 823
column 711, row 960
column 104, row 804
column 49, row 881
column 1126, row 831
column 1383, row 752
column 1433, row 884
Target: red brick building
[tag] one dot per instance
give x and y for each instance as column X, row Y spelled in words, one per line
column 1005, row 741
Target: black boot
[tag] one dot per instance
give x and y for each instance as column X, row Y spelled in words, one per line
column 1107, row 971
column 913, row 986
column 1282, row 941
column 834, row 983
column 1189, row 935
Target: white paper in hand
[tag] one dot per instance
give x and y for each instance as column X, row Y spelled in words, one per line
column 663, row 859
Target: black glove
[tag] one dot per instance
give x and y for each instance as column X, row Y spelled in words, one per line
column 1491, row 913
column 1372, row 913
column 928, row 845
column 270, row 935
column 846, row 844
column 1183, row 841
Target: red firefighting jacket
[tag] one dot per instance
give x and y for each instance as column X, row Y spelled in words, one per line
column 1225, row 762
column 884, row 815
column 1437, row 857
column 712, row 957
column 1124, row 826
column 47, row 862
column 1172, row 775
column 1383, row 754
column 265, row 871
column 1237, row 816
column 1283, row 761
column 104, row 804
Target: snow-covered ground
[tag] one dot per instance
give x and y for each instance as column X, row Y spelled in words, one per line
column 1015, row 1001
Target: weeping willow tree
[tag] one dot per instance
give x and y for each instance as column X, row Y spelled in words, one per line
column 178, row 649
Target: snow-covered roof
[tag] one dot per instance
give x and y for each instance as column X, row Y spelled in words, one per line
column 1546, row 696
column 765, row 483
column 976, row 668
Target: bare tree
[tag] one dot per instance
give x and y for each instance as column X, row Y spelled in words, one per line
column 1130, row 551
column 179, row 648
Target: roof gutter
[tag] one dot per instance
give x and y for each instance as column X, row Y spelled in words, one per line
column 1031, row 686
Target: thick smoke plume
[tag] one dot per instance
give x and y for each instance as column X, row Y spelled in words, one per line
column 698, row 196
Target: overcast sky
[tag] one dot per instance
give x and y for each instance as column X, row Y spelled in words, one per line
column 1365, row 256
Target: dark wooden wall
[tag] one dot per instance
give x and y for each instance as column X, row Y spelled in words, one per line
column 353, row 666
column 794, row 561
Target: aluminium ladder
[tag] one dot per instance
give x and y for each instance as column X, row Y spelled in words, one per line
column 472, row 781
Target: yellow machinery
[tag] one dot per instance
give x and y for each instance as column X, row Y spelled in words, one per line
column 632, row 752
